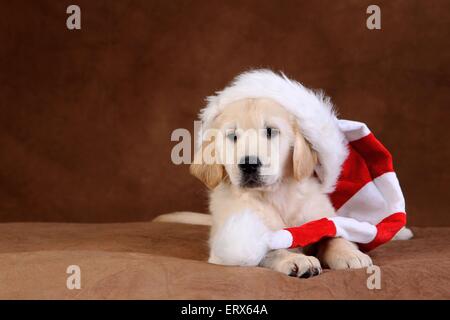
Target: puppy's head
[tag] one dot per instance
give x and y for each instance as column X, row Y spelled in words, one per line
column 253, row 143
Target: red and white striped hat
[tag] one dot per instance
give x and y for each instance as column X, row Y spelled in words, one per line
column 355, row 169
column 368, row 199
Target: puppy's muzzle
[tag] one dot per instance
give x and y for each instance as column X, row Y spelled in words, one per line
column 249, row 167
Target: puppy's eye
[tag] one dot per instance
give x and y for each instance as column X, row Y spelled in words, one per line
column 232, row 136
column 271, row 132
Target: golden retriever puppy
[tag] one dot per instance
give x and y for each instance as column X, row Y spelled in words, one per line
column 271, row 152
column 264, row 165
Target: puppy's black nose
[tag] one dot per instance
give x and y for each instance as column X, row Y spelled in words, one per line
column 249, row 164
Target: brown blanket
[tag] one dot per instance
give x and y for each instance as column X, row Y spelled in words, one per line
column 168, row 261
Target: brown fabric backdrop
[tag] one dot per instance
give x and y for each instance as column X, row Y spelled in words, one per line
column 86, row 116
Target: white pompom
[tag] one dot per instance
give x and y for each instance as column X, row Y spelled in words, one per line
column 242, row 240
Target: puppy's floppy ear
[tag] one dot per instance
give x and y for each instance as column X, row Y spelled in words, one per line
column 209, row 172
column 304, row 157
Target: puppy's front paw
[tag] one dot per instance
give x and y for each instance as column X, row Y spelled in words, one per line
column 299, row 265
column 347, row 259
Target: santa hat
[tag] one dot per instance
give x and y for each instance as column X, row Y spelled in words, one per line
column 368, row 199
column 354, row 168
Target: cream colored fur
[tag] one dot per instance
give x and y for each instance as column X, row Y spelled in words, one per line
column 291, row 196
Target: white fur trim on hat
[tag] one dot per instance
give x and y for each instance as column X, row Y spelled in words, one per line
column 313, row 110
